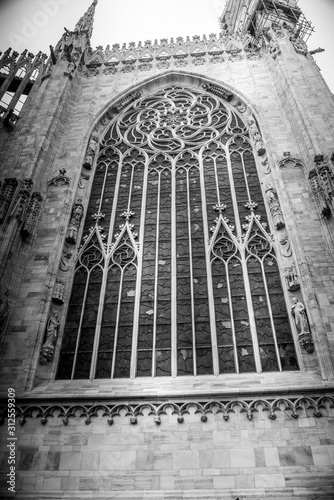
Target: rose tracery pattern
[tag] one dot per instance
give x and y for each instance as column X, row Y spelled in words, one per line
column 175, row 230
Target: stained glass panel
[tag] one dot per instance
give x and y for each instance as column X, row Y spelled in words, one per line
column 175, row 228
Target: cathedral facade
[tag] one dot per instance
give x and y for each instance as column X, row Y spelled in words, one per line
column 167, row 265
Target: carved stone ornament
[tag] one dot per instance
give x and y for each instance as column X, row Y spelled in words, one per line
column 20, row 206
column 61, row 179
column 7, row 194
column 218, row 91
column 4, row 308
column 51, row 335
column 125, row 101
column 64, row 265
column 274, row 48
column 72, row 231
column 232, row 408
column 32, row 215
column 291, row 279
column 304, row 332
column 91, row 150
column 322, row 182
column 58, row 292
column 274, row 207
column 299, row 45
column 288, row 161
column 259, row 145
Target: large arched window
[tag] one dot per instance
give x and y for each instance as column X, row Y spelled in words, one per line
column 177, row 274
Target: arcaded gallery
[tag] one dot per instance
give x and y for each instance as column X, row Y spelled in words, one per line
column 167, row 265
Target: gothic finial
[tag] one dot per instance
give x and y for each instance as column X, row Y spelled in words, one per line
column 87, row 20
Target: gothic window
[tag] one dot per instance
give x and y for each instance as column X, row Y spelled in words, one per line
column 177, row 274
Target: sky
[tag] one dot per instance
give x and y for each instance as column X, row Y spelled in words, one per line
column 35, row 24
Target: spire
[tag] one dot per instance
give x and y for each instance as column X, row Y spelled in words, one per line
column 87, row 20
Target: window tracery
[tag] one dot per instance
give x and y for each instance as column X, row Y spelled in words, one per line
column 177, row 274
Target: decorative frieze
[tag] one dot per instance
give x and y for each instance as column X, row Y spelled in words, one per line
column 199, row 48
column 293, row 407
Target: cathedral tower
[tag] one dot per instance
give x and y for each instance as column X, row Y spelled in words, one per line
column 166, row 269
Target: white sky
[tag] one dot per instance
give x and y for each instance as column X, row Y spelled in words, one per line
column 35, row 24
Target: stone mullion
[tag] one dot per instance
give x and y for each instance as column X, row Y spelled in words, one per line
column 234, row 199
column 206, row 232
column 174, row 276
column 119, row 302
column 156, row 277
column 99, row 321
column 115, row 200
column 80, row 325
column 193, row 326
column 136, row 312
column 235, row 347
column 271, row 316
column 251, row 314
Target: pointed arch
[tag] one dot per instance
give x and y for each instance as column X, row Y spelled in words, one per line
column 182, row 215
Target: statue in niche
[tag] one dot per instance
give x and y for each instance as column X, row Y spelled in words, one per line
column 51, row 335
column 274, row 207
column 259, row 145
column 91, row 150
column 72, row 231
column 299, row 313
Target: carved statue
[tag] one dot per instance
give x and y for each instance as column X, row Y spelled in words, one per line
column 299, row 313
column 274, row 207
column 259, row 145
column 91, row 150
column 72, row 231
column 48, row 347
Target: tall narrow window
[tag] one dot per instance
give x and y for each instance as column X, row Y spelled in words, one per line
column 177, row 274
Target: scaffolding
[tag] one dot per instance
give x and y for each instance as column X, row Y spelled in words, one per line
column 280, row 12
